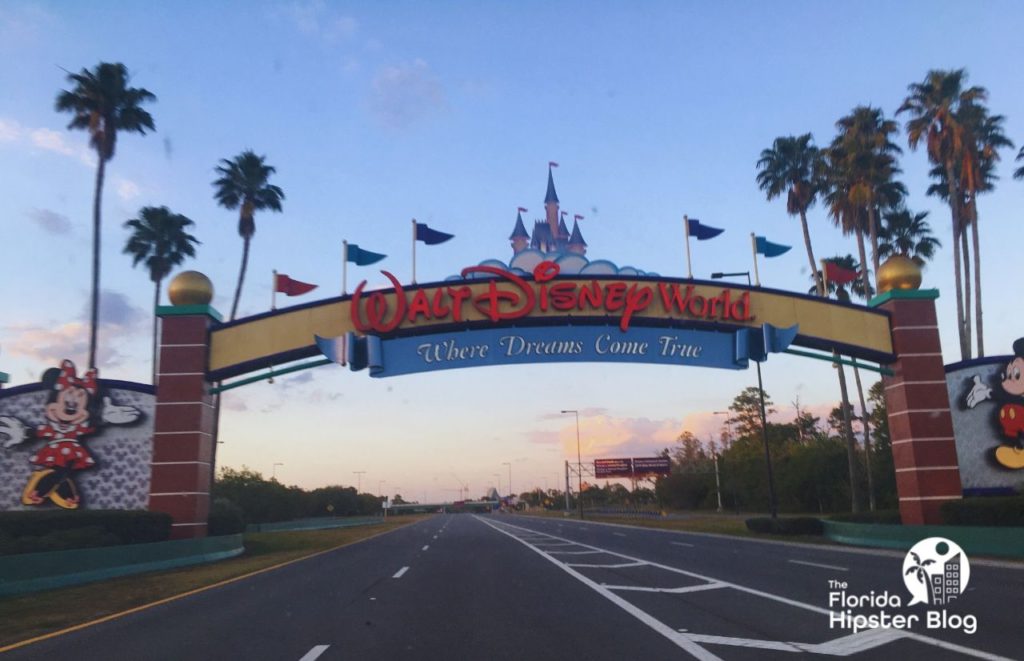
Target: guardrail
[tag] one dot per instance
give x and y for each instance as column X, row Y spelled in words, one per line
column 32, row 572
column 975, row 540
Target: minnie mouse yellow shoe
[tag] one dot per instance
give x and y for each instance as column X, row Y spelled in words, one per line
column 65, row 495
column 29, row 495
column 1010, row 457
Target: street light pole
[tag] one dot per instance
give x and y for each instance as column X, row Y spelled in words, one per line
column 273, row 471
column 509, row 464
column 359, row 477
column 579, row 461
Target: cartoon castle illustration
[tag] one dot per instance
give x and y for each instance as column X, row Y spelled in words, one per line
column 551, row 235
column 945, row 585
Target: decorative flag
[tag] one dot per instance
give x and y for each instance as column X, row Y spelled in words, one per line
column 769, row 249
column 429, row 236
column 838, row 274
column 577, row 217
column 552, row 164
column 291, row 287
column 702, row 232
column 522, row 209
column 361, row 257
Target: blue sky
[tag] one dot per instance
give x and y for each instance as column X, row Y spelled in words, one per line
column 375, row 113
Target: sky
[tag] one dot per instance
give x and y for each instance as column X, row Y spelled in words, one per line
column 448, row 112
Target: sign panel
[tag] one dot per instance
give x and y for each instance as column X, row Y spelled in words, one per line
column 514, row 346
column 643, row 466
column 610, row 468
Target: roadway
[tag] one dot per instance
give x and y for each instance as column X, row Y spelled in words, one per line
column 498, row 586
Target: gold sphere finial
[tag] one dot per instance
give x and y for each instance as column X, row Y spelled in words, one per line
column 898, row 272
column 190, row 288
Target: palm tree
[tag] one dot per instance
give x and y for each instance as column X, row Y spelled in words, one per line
column 102, row 103
column 1019, row 172
column 908, row 234
column 243, row 185
column 933, row 105
column 159, row 238
column 919, row 569
column 791, row 165
column 868, row 158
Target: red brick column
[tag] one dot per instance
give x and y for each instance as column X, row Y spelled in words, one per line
column 920, row 424
column 184, row 426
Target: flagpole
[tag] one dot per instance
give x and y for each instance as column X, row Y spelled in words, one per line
column 753, row 246
column 413, row 251
column 344, row 267
column 686, row 232
column 273, row 292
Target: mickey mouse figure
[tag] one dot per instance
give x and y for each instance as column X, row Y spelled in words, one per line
column 72, row 406
column 1010, row 394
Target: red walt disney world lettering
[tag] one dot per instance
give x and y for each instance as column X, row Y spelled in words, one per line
column 508, row 296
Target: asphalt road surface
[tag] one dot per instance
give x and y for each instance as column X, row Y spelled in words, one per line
column 511, row 587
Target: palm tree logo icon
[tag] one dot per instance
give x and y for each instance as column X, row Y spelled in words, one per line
column 936, row 571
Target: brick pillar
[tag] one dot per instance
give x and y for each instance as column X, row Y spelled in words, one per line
column 185, row 423
column 920, row 424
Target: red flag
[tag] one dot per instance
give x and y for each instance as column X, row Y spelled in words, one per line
column 522, row 209
column 552, row 164
column 577, row 217
column 839, row 275
column 290, row 287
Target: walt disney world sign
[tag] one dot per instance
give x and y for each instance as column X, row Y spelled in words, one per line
column 494, row 316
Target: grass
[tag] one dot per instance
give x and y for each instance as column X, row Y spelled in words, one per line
column 24, row 617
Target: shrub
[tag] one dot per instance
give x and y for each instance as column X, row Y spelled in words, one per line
column 798, row 525
column 225, row 518
column 56, row 530
column 982, row 511
column 888, row 517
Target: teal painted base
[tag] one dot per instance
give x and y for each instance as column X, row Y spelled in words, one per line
column 975, row 540
column 32, row 572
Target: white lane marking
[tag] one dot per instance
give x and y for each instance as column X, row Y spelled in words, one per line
column 425, row 547
column 435, row 536
column 852, row 644
column 682, row 590
column 312, row 654
column 618, row 534
column 817, row 564
column 745, row 642
column 679, row 639
column 680, row 544
column 759, row 593
column 584, row 553
column 618, row 566
column 400, row 572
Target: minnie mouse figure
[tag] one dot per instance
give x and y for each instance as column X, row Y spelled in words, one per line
column 72, row 407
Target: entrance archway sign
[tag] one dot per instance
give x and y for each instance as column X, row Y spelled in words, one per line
column 492, row 316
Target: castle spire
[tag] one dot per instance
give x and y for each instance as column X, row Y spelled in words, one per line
column 519, row 237
column 551, row 203
column 551, row 196
column 576, row 242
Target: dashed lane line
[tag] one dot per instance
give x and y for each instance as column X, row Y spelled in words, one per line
column 425, row 547
column 681, row 544
column 400, row 572
column 314, row 653
column 818, row 564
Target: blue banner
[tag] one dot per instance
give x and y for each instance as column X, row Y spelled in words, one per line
column 517, row 346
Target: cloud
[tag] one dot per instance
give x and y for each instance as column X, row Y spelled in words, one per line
column 602, row 435
column 233, row 402
column 315, row 19
column 51, row 221
column 115, row 310
column 584, row 413
column 10, row 130
column 127, row 190
column 51, row 344
column 405, row 93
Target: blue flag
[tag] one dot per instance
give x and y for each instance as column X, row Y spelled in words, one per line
column 769, row 249
column 361, row 257
column 429, row 236
column 702, row 232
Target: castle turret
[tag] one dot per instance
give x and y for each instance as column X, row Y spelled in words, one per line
column 519, row 237
column 563, row 231
column 576, row 242
column 551, row 203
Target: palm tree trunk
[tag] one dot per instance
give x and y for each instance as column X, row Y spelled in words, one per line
column 978, row 326
column 865, row 278
column 156, row 323
column 241, row 275
column 867, row 438
column 965, row 247
column 818, row 277
column 851, row 449
column 94, row 311
column 954, row 205
column 873, row 233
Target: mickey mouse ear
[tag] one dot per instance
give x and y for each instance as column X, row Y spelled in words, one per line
column 1018, row 348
